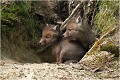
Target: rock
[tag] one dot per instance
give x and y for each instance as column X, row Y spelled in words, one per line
column 110, row 47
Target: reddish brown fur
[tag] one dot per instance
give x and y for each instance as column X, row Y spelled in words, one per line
column 64, row 49
column 80, row 32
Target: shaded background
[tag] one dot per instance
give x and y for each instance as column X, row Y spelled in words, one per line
column 23, row 21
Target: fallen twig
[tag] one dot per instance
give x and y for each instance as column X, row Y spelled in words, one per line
column 71, row 15
column 100, row 39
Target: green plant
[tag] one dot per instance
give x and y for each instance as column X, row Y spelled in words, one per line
column 20, row 29
column 105, row 19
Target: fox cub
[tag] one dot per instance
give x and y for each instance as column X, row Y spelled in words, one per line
column 76, row 29
column 64, row 48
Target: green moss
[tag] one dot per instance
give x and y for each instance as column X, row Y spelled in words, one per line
column 110, row 47
column 19, row 23
column 20, row 28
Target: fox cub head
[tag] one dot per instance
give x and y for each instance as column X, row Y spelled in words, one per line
column 50, row 35
column 73, row 28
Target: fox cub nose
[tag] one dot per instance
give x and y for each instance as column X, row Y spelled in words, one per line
column 65, row 35
column 40, row 42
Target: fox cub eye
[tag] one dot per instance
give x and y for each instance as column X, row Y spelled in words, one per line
column 47, row 37
column 70, row 29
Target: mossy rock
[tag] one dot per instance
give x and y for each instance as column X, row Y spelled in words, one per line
column 110, row 47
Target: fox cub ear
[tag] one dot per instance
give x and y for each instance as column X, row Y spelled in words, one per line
column 47, row 24
column 79, row 23
column 79, row 19
column 56, row 28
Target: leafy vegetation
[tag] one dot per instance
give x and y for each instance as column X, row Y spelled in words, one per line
column 106, row 18
column 20, row 27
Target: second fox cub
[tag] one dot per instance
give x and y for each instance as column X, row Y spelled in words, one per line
column 76, row 29
column 64, row 49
